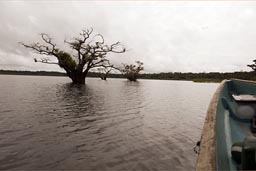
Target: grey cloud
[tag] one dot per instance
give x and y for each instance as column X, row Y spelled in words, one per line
column 166, row 36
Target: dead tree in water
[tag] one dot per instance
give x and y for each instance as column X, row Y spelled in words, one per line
column 90, row 53
column 104, row 71
column 131, row 71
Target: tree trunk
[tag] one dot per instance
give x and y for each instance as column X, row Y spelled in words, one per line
column 103, row 77
column 131, row 77
column 78, row 78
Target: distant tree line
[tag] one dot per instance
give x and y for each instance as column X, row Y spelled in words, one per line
column 197, row 77
column 201, row 77
column 40, row 73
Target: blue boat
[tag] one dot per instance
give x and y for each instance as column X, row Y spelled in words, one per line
column 228, row 139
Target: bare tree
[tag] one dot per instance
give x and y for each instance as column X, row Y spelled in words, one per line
column 253, row 66
column 132, row 71
column 90, row 53
column 104, row 71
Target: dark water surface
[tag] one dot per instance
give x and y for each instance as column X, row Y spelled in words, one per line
column 47, row 123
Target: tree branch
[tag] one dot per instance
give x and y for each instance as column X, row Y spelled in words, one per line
column 41, row 48
column 46, row 61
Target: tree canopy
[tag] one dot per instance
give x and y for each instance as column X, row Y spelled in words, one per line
column 131, row 71
column 91, row 52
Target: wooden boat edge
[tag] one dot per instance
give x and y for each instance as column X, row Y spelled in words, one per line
column 207, row 157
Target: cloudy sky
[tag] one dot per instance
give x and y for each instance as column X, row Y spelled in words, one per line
column 168, row 36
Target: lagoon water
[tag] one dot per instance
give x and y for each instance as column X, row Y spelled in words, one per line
column 47, row 123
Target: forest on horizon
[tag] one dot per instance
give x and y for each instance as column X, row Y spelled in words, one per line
column 196, row 77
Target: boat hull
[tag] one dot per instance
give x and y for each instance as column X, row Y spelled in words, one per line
column 222, row 128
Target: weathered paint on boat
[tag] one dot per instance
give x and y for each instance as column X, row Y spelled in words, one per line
column 221, row 130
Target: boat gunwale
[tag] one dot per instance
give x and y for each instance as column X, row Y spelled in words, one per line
column 207, row 156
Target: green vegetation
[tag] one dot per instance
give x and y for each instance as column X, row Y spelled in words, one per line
column 253, row 66
column 206, row 80
column 196, row 77
column 132, row 71
column 201, row 77
column 37, row 73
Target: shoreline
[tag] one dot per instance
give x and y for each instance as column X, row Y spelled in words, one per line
column 212, row 77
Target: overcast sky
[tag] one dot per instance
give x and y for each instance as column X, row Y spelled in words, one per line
column 168, row 36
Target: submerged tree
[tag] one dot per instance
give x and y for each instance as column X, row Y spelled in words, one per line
column 90, row 53
column 253, row 66
column 131, row 71
column 103, row 72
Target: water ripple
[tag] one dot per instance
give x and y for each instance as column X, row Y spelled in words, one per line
column 50, row 124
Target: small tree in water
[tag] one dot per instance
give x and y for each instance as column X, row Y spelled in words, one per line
column 131, row 71
column 90, row 53
column 104, row 71
column 253, row 66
